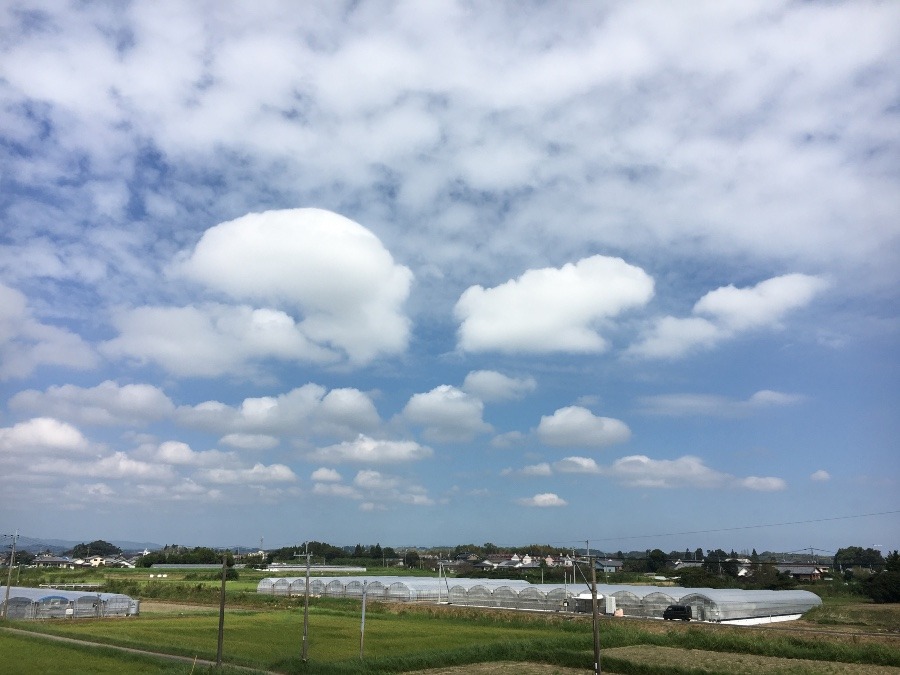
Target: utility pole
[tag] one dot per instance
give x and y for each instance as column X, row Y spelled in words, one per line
column 304, row 649
column 12, row 561
column 222, row 610
column 362, row 625
column 594, row 611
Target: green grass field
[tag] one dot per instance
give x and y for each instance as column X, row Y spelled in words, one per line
column 264, row 633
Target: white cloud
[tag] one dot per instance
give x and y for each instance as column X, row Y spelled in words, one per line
column 326, row 475
column 117, row 465
column 577, row 426
column 259, row 474
column 210, row 340
column 727, row 312
column 677, row 405
column 27, row 344
column 106, row 404
column 532, row 470
column 178, row 453
column 641, row 471
column 491, row 386
column 310, row 409
column 250, row 441
column 763, row 305
column 543, row 500
column 334, row 273
column 577, row 465
column 551, row 310
column 820, row 476
column 373, row 451
column 507, row 439
column 447, row 414
column 336, row 490
column 42, row 435
column 687, row 471
column 762, row 484
column 378, row 489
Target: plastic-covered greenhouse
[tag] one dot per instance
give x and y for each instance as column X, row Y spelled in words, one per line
column 707, row 604
column 53, row 603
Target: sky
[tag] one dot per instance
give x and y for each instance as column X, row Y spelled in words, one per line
column 439, row 273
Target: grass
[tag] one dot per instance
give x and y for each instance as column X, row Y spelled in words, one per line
column 37, row 656
column 264, row 632
column 401, row 638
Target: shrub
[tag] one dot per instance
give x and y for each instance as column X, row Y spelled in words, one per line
column 884, row 587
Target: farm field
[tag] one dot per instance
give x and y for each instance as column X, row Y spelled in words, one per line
column 429, row 639
column 179, row 616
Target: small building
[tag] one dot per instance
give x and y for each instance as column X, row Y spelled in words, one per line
column 609, row 566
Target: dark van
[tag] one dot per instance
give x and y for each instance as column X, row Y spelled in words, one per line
column 677, row 613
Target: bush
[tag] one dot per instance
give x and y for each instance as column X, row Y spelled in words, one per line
column 884, row 587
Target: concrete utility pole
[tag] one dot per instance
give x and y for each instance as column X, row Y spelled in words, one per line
column 362, row 625
column 594, row 610
column 303, row 649
column 222, row 611
column 12, row 561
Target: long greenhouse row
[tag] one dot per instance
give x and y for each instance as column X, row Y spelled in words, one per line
column 708, row 604
column 52, row 603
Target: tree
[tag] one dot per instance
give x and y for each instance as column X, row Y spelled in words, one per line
column 411, row 559
column 98, row 547
column 892, row 562
column 856, row 556
column 656, row 560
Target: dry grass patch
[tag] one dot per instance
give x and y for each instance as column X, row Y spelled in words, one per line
column 663, row 659
column 504, row 668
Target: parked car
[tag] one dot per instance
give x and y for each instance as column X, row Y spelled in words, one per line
column 677, row 613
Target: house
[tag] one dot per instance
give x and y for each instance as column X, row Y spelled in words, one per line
column 803, row 571
column 55, row 561
column 609, row 566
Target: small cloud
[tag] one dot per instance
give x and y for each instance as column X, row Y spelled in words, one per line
column 447, row 414
column 577, row 465
column 543, row 500
column 542, row 469
column 325, row 475
column 679, row 405
column 727, row 312
column 577, row 426
column 507, row 440
column 820, row 476
column 491, row 386
column 370, row 450
column 250, row 441
column 259, row 474
column 767, row 484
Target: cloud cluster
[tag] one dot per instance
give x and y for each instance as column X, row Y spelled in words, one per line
column 640, row 471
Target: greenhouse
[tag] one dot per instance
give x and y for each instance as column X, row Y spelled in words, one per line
column 707, row 604
column 53, row 603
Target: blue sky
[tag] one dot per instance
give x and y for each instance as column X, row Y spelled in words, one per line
column 440, row 273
